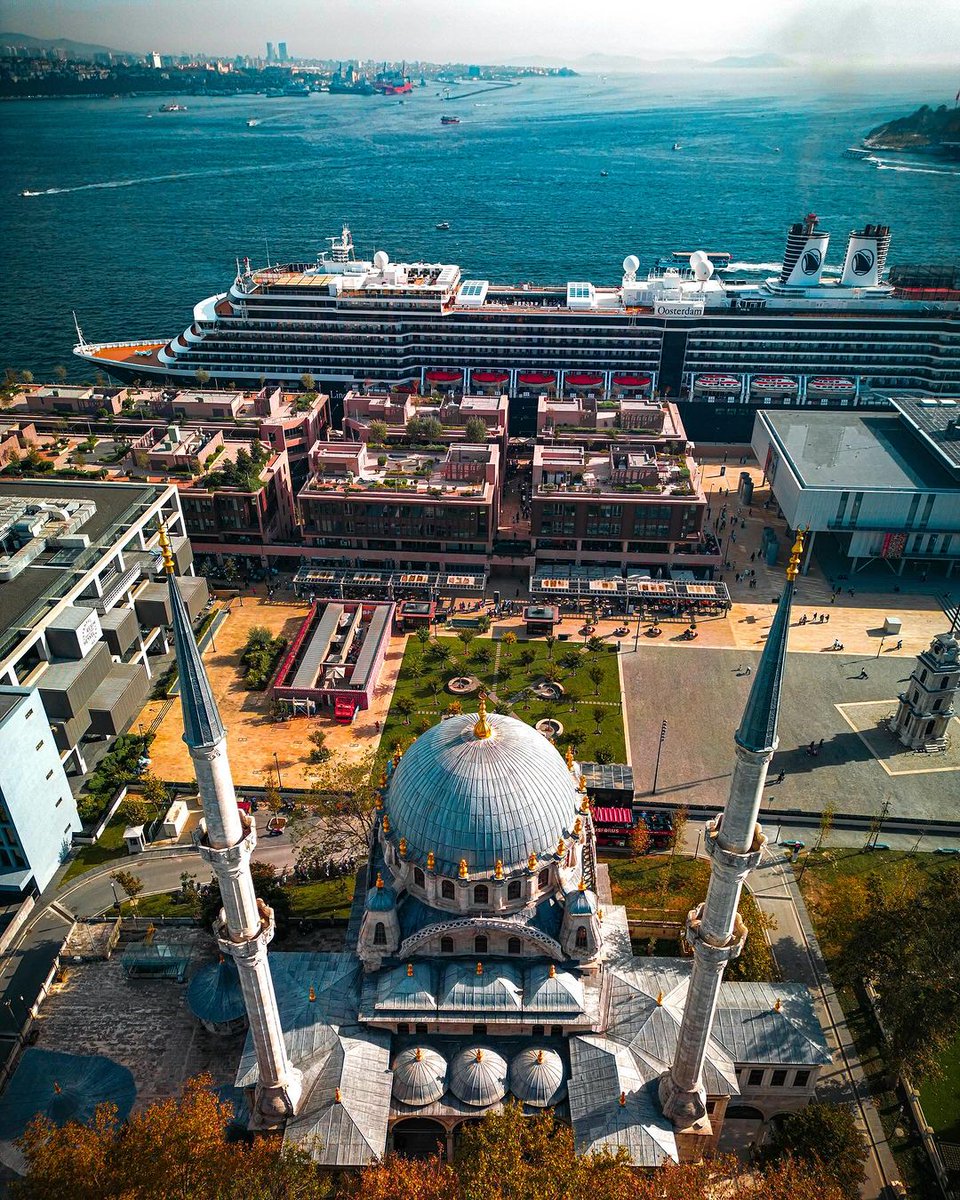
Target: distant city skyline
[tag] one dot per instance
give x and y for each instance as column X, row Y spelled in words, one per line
column 830, row 34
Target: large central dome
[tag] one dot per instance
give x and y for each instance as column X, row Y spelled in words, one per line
column 460, row 795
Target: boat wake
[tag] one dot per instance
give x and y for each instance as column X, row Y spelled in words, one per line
column 892, row 164
column 121, row 183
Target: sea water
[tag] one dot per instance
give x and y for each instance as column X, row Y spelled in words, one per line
column 133, row 215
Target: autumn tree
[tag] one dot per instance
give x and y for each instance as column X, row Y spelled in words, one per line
column 131, row 884
column 320, row 753
column 824, row 1137
column 135, row 810
column 155, row 791
column 399, row 1178
column 639, row 839
column 681, row 815
column 335, row 818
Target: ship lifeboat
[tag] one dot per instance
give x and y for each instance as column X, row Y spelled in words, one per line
column 488, row 377
column 406, row 389
column 773, row 383
column 717, row 383
column 440, row 376
column 583, row 381
column 538, row 378
column 831, row 383
column 631, row 381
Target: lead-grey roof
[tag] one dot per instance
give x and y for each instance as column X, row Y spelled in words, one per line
column 481, row 799
column 753, row 1030
column 600, row 1070
column 201, row 718
column 419, row 1076
column 758, row 725
column 536, row 1076
column 478, row 1076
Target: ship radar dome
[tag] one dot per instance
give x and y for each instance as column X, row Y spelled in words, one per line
column 381, row 260
column 631, row 264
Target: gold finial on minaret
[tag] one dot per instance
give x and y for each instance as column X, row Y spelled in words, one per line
column 402, row 848
column 409, row 970
column 431, row 860
column 793, row 566
column 312, row 994
column 778, row 1005
column 582, row 783
column 582, row 885
column 482, row 728
column 379, row 881
column 169, row 566
column 386, row 823
column 463, row 868
column 577, row 827
column 531, row 861
column 659, row 999
column 418, row 1056
column 623, row 1099
column 336, row 1096
column 479, row 972
column 478, row 1057
column 498, row 869
column 561, row 848
column 569, row 758
column 552, row 972
column 539, row 1056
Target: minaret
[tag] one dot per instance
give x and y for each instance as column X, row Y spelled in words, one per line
column 735, row 842
column 245, row 925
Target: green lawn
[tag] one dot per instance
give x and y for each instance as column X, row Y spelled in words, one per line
column 430, row 698
column 328, row 898
column 657, row 882
column 164, row 905
column 109, row 847
column 826, row 879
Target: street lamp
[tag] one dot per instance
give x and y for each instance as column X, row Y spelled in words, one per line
column 663, row 738
column 883, row 638
column 277, row 762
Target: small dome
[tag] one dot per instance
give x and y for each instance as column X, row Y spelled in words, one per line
column 581, row 903
column 380, row 898
column 478, row 1077
column 419, row 1076
column 536, row 1077
column 214, row 993
column 502, row 796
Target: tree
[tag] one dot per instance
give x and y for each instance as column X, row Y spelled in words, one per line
column 404, row 706
column 171, row 1148
column 423, row 635
column 334, row 820
column 155, row 792
column 135, row 810
column 454, row 708
column 599, row 715
column 826, row 822
column 824, row 1137
column 466, row 636
column 378, row 432
column 267, row 887
column 307, row 382
column 399, row 1178
column 201, row 376
column 483, row 623
column 272, row 798
column 595, row 675
column 551, row 642
column 441, row 652
column 131, row 884
column 681, row 814
column 475, row 430
column 755, row 963
column 26, row 376
column 320, row 752
column 509, row 638
column 481, row 656
column 595, row 645
column 639, row 839
column 60, row 374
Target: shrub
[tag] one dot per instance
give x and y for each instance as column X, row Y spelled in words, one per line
column 260, row 657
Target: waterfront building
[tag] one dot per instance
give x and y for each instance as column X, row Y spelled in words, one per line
column 79, row 621
column 688, row 329
column 881, row 487
column 452, row 410
column 38, row 815
column 404, row 505
column 62, row 399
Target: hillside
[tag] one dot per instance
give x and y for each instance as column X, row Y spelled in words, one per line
column 924, row 131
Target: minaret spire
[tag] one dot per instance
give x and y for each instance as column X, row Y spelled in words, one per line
column 735, row 843
column 245, row 925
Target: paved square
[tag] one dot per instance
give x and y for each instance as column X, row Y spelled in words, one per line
column 870, row 718
column 700, row 694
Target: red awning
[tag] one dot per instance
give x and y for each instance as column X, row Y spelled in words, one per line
column 443, row 376
column 613, row 816
column 584, row 380
column 632, row 380
column 538, row 378
column 490, row 376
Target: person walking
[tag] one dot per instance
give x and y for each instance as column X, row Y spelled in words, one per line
column 863, row 673
column 781, row 777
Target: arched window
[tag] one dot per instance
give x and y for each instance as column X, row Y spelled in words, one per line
column 379, row 934
column 513, row 946
column 514, row 889
column 481, row 894
column 480, row 943
column 447, row 890
column 446, row 945
column 419, row 878
column 581, row 942
column 543, row 879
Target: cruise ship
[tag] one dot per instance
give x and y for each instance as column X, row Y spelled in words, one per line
column 687, row 329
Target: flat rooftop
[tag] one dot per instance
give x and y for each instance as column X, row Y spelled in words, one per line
column 53, row 573
column 846, row 450
column 936, row 420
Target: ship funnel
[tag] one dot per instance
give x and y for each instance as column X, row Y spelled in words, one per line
column 804, row 255
column 866, row 255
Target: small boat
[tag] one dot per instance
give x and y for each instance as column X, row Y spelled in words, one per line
column 677, row 146
column 253, row 121
column 443, row 224
column 172, row 108
column 604, row 174
column 449, row 120
column 776, row 149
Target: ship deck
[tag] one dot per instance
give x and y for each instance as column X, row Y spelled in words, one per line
column 130, row 353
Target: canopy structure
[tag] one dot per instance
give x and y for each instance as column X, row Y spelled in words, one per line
column 63, row 1087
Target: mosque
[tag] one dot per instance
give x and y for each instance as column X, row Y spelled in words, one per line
column 488, row 962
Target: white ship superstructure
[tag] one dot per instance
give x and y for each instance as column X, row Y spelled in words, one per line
column 676, row 330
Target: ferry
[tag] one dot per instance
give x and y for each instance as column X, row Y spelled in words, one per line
column 392, row 84
column 443, row 224
column 172, row 108
column 449, row 120
column 693, row 327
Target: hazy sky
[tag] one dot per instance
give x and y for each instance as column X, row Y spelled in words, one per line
column 507, row 30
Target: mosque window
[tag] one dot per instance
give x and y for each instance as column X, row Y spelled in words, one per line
column 513, row 946
column 581, row 941
column 923, row 677
column 801, row 1078
column 756, row 1078
column 446, row 945
column 778, row 1078
column 447, row 890
column 479, row 1031
column 543, row 879
column 556, row 1031
column 379, row 934
column 514, row 889
column 403, row 1028
column 419, row 878
column 481, row 894
column 480, row 943
column 538, row 1030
